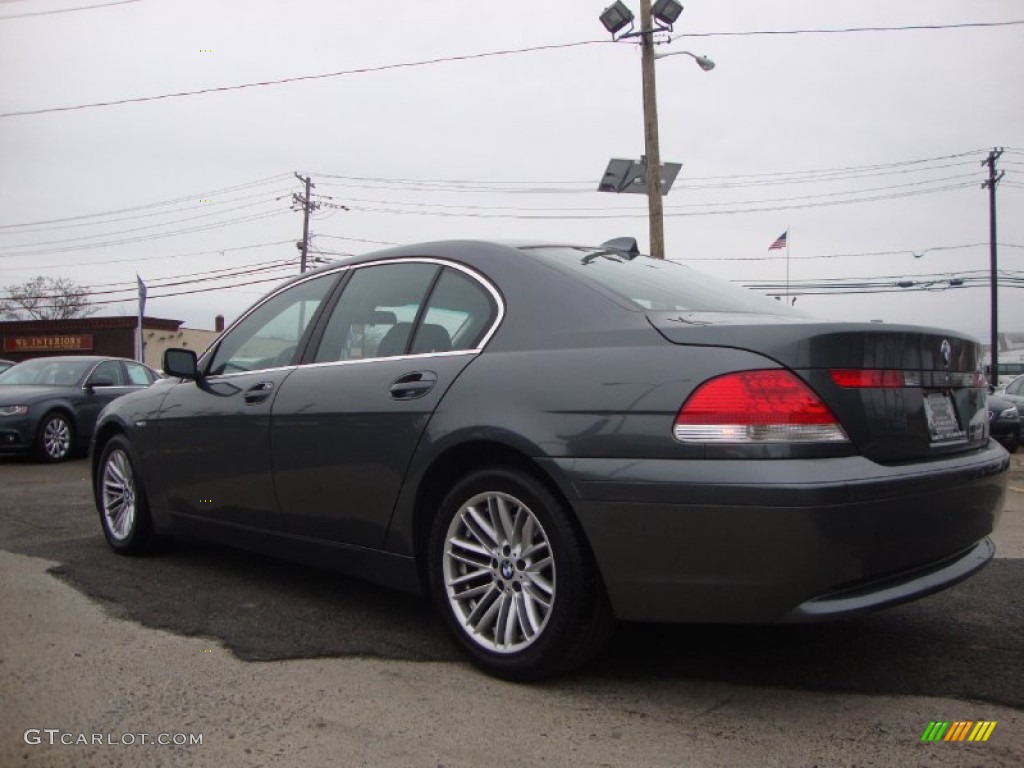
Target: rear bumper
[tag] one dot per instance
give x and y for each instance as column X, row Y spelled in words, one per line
column 783, row 540
column 895, row 589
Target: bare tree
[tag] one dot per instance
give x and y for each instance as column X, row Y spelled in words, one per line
column 46, row 298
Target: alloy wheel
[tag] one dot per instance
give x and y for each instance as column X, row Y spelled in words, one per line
column 118, row 493
column 499, row 572
column 57, row 438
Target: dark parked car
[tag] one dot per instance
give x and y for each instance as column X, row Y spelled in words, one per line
column 5, row 364
column 548, row 438
column 49, row 405
column 1004, row 421
column 1013, row 391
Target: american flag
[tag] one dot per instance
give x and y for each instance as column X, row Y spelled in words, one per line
column 780, row 242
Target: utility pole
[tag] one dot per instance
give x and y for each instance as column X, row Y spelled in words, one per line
column 990, row 185
column 655, row 212
column 307, row 205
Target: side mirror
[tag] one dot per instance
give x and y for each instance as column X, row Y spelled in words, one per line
column 181, row 363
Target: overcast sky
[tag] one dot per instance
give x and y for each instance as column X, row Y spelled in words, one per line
column 510, row 146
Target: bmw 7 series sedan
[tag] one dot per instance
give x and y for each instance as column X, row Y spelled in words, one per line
column 547, row 438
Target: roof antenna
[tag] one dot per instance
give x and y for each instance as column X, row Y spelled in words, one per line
column 626, row 245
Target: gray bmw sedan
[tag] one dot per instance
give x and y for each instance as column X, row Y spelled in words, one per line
column 546, row 438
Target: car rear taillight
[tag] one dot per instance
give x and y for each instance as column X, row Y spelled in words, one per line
column 869, row 379
column 856, row 378
column 772, row 406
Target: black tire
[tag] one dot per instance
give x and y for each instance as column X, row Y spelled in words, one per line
column 568, row 626
column 1012, row 443
column 121, row 500
column 55, row 438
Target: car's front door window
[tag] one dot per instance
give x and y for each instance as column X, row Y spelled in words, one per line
column 270, row 336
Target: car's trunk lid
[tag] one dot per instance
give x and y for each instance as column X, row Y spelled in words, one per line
column 932, row 401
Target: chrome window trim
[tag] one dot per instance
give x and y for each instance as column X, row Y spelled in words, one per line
column 419, row 356
column 499, row 302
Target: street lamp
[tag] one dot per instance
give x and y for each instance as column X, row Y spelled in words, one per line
column 615, row 18
column 702, row 61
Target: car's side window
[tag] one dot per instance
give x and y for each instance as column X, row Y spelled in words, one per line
column 270, row 336
column 376, row 312
column 1016, row 387
column 109, row 370
column 458, row 314
column 138, row 374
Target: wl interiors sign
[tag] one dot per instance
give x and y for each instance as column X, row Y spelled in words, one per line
column 79, row 342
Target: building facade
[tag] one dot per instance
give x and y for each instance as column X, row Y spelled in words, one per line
column 113, row 336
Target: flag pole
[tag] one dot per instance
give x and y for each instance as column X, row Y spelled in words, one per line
column 140, row 347
column 787, row 266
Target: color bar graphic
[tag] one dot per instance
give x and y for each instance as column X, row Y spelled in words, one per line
column 982, row 730
column 958, row 730
column 935, row 731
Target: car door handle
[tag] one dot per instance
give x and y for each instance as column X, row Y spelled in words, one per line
column 259, row 392
column 412, row 385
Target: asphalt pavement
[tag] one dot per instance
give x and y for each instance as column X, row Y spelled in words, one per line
column 961, row 652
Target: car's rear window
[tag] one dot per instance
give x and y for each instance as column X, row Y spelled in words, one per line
column 654, row 285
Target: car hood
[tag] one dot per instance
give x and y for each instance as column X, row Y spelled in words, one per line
column 1017, row 400
column 26, row 394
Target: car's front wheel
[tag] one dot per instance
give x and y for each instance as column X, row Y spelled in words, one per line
column 54, row 438
column 1012, row 443
column 513, row 578
column 121, row 500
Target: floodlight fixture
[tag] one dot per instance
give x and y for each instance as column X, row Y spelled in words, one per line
column 616, row 17
column 667, row 11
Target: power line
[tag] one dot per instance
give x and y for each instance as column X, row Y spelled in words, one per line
column 146, row 238
column 174, row 282
column 174, row 201
column 812, row 171
column 141, row 229
column 847, row 30
column 67, row 10
column 152, row 297
column 489, row 54
column 131, row 284
column 915, row 253
column 136, row 259
column 613, row 215
column 301, row 78
column 133, row 217
column 358, row 240
column 667, row 207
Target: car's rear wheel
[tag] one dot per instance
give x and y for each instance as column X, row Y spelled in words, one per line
column 121, row 500
column 513, row 578
column 55, row 437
